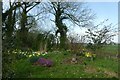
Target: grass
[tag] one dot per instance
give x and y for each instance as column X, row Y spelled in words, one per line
column 113, row 49
column 108, row 51
column 102, row 67
column 99, row 68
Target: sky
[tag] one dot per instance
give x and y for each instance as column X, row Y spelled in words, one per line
column 106, row 10
column 103, row 10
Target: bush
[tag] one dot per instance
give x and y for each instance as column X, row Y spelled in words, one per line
column 33, row 59
column 44, row 62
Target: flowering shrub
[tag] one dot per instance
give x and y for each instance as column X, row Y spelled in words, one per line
column 44, row 62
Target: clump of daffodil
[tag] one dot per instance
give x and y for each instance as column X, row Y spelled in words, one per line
column 38, row 54
column 88, row 54
column 33, row 54
column 30, row 56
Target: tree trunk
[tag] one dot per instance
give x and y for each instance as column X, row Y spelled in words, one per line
column 24, row 30
column 62, row 29
column 63, row 40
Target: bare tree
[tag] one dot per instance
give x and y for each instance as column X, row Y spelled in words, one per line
column 99, row 37
column 25, row 17
column 8, row 23
column 19, row 14
column 74, row 12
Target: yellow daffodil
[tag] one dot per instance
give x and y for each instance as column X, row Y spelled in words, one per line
column 33, row 54
column 30, row 56
column 88, row 54
column 38, row 54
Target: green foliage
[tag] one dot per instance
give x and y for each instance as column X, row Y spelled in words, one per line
column 22, row 69
column 33, row 59
column 7, row 59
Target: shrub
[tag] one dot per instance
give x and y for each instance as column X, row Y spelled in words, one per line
column 33, row 59
column 44, row 62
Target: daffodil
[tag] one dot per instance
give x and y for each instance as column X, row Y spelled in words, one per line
column 38, row 54
column 30, row 56
column 33, row 54
column 88, row 54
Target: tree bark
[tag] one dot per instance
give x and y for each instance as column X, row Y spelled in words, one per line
column 62, row 29
column 63, row 40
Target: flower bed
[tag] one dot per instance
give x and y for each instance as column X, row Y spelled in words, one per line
column 28, row 53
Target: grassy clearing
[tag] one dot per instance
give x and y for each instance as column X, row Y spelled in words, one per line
column 99, row 68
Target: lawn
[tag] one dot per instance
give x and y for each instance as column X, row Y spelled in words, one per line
column 104, row 67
